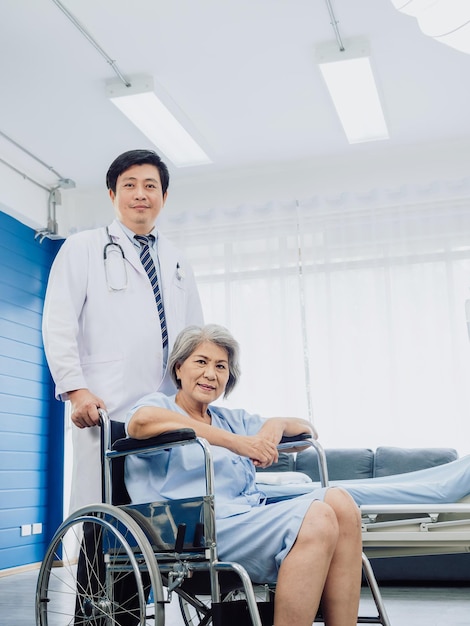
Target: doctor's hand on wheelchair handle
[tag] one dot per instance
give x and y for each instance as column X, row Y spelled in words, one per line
column 85, row 407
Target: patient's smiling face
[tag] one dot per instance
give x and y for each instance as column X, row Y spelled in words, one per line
column 204, row 374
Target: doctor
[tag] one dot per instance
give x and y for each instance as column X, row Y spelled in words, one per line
column 104, row 341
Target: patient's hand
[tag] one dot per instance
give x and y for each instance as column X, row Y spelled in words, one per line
column 260, row 450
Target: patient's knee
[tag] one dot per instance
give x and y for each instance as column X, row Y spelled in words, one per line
column 320, row 526
column 345, row 509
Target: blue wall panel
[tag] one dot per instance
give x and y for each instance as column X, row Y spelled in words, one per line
column 31, row 420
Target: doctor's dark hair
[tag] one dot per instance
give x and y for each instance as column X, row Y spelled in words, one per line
column 136, row 157
column 192, row 336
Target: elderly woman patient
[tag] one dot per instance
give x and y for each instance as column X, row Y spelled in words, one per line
column 310, row 545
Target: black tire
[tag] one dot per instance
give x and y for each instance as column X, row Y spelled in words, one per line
column 99, row 570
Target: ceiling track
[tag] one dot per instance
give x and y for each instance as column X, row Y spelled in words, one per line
column 51, row 230
column 334, row 23
column 93, row 42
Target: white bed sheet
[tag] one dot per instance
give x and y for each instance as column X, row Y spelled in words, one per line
column 437, row 485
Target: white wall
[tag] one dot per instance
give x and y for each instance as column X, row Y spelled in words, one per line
column 433, row 170
column 426, row 168
column 22, row 199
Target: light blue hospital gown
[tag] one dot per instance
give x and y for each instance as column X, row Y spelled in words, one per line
column 249, row 531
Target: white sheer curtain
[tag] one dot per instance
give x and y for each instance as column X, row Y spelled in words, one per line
column 349, row 312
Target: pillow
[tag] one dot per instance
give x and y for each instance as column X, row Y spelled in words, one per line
column 282, row 478
column 343, row 463
column 391, row 460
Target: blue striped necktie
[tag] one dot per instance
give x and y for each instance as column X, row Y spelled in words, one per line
column 149, row 267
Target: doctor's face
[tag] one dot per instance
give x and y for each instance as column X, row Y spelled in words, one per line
column 139, row 198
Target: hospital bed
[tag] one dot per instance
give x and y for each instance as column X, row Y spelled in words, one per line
column 116, row 563
column 425, row 512
column 413, row 530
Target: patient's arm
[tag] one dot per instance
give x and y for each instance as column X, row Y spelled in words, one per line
column 150, row 421
column 275, row 428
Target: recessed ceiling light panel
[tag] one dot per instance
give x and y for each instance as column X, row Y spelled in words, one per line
column 144, row 109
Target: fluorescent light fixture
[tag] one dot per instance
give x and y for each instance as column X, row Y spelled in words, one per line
column 141, row 105
column 448, row 21
column 350, row 81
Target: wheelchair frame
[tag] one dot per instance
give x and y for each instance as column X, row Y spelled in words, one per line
column 144, row 548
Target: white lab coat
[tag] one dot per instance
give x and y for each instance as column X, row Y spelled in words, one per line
column 110, row 341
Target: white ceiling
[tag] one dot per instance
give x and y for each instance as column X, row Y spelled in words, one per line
column 241, row 73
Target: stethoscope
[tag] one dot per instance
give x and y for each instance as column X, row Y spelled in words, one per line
column 116, row 275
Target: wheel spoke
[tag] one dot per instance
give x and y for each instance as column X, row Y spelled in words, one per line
column 98, row 571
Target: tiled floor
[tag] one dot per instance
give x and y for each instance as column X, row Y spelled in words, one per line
column 406, row 606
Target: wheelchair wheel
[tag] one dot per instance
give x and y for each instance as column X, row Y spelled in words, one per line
column 99, row 570
column 196, row 610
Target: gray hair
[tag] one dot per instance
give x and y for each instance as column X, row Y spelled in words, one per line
column 192, row 336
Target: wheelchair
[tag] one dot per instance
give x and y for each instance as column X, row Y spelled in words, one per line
column 115, row 563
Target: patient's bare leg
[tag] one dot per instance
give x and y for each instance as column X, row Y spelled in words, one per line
column 324, row 565
column 340, row 602
column 303, row 572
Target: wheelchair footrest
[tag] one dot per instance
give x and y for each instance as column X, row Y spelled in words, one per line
column 236, row 613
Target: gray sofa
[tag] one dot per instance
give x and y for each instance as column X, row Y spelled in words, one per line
column 358, row 463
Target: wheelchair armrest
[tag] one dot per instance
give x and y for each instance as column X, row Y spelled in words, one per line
column 298, row 443
column 128, row 444
column 295, row 443
column 296, row 438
